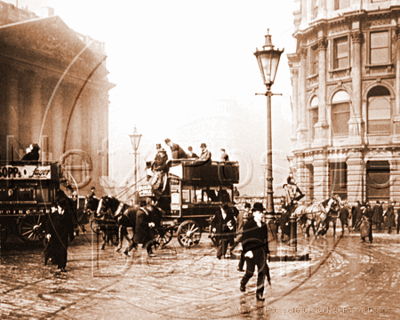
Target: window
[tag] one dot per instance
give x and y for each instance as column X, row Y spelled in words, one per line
column 313, row 116
column 379, row 111
column 340, row 114
column 314, row 60
column 338, row 179
column 341, row 53
column 379, row 47
column 340, row 4
column 378, row 180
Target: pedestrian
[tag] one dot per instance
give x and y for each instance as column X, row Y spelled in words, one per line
column 241, row 220
column 191, row 154
column 205, row 156
column 176, row 150
column 32, row 153
column 344, row 216
column 356, row 215
column 255, row 247
column 389, row 217
column 223, row 226
column 377, row 217
column 365, row 223
column 144, row 227
column 224, row 155
column 59, row 229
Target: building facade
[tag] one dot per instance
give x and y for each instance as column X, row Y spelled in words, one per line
column 346, row 99
column 53, row 92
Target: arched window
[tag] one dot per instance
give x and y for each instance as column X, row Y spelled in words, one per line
column 379, row 111
column 340, row 113
column 313, row 115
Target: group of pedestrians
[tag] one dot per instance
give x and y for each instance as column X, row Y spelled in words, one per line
column 363, row 216
column 249, row 229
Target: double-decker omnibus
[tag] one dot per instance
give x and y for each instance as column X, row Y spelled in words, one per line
column 193, row 193
column 27, row 192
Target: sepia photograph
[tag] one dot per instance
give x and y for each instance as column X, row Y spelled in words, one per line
column 187, row 159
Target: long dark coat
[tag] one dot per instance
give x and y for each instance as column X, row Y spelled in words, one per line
column 377, row 216
column 389, row 217
column 60, row 227
column 143, row 232
column 225, row 228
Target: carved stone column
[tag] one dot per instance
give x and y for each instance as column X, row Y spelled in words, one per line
column 302, row 132
column 37, row 108
column 321, row 128
column 355, row 123
column 321, row 172
column 354, row 176
column 396, row 118
column 294, row 102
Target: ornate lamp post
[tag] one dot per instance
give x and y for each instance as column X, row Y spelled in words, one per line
column 268, row 60
column 135, row 140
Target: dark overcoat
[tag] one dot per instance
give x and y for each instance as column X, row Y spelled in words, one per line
column 377, row 216
column 389, row 217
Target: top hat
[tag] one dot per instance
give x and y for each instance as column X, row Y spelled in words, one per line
column 203, row 145
column 258, row 207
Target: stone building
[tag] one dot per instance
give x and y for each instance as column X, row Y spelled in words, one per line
column 346, row 98
column 54, row 92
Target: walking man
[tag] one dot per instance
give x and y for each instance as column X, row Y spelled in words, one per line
column 255, row 248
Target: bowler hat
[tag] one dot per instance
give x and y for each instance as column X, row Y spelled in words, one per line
column 258, row 207
column 203, row 145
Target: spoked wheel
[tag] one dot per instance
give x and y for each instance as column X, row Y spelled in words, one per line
column 30, row 229
column 189, row 234
column 165, row 237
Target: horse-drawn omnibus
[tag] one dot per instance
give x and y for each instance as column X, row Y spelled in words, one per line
column 27, row 192
column 192, row 194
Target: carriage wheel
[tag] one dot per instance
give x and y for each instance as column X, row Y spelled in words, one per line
column 165, row 238
column 3, row 233
column 30, row 229
column 94, row 225
column 189, row 234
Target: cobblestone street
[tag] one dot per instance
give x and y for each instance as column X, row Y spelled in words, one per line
column 343, row 276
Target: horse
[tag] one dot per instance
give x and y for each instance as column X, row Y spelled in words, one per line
column 107, row 210
column 319, row 214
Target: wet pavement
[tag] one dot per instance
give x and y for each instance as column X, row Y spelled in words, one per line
column 345, row 278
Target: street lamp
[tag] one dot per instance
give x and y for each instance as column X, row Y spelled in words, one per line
column 268, row 60
column 135, row 140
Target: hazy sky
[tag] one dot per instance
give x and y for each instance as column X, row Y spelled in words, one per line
column 176, row 62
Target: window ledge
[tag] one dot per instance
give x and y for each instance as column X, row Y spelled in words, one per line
column 312, row 77
column 340, row 70
column 389, row 66
column 378, row 134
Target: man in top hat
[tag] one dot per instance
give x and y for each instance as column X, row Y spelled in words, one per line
column 176, row 150
column 255, row 249
column 205, row 155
